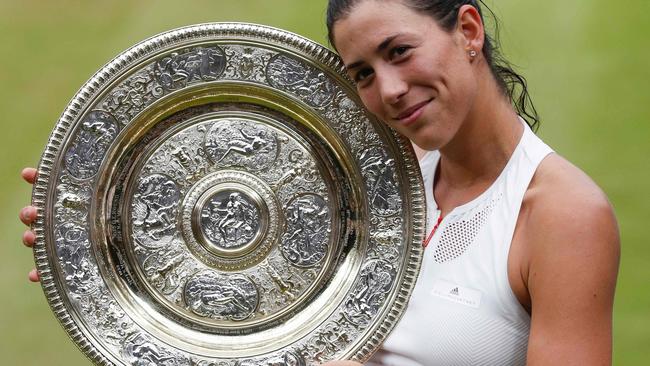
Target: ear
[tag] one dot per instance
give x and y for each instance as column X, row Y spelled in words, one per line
column 470, row 26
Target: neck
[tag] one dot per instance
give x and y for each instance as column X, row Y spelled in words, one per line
column 481, row 148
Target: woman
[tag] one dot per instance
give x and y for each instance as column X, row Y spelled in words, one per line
column 521, row 261
column 522, row 258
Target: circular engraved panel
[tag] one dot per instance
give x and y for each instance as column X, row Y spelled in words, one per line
column 241, row 143
column 229, row 220
column 217, row 195
column 222, row 297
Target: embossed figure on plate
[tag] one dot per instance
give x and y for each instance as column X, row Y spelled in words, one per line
column 139, row 351
column 329, row 340
column 379, row 173
column 108, row 317
column 154, row 210
column 288, row 359
column 374, row 284
column 187, row 160
column 200, row 64
column 307, row 83
column 299, row 166
column 164, row 269
column 136, row 93
column 181, row 157
column 85, row 154
column 72, row 248
column 242, row 143
column 221, row 297
column 247, row 63
column 230, row 220
column 305, row 240
column 72, row 200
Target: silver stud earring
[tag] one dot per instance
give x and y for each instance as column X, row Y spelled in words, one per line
column 472, row 53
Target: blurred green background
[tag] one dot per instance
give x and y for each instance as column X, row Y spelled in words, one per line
column 587, row 63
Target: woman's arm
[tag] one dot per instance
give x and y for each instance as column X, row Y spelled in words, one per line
column 573, row 248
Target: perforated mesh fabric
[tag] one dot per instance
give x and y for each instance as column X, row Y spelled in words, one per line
column 459, row 235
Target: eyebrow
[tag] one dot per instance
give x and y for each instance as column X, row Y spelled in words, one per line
column 381, row 47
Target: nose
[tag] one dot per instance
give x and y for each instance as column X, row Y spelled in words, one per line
column 391, row 86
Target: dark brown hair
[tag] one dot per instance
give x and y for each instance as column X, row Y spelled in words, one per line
column 445, row 12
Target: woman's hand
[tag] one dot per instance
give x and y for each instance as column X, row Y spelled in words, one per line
column 28, row 216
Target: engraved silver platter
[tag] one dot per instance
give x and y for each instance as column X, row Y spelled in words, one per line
column 216, row 195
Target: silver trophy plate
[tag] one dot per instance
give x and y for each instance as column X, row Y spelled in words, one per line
column 217, row 195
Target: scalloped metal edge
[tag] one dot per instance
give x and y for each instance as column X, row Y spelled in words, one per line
column 90, row 90
column 412, row 267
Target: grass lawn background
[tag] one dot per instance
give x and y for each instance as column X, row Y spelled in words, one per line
column 586, row 62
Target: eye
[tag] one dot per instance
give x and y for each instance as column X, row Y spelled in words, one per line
column 363, row 74
column 398, row 52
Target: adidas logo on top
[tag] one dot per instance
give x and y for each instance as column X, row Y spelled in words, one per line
column 457, row 293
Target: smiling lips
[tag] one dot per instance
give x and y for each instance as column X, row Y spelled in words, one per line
column 411, row 114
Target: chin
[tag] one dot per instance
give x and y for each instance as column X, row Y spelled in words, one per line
column 434, row 135
column 426, row 139
column 426, row 143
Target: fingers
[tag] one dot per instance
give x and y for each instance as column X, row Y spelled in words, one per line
column 28, row 215
column 29, row 175
column 29, row 238
column 33, row 275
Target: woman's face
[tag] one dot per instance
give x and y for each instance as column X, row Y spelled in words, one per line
column 409, row 72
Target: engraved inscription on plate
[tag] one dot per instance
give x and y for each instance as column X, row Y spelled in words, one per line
column 230, row 219
column 221, row 297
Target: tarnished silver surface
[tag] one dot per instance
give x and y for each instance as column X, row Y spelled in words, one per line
column 216, row 195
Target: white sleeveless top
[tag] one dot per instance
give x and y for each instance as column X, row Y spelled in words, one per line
column 462, row 310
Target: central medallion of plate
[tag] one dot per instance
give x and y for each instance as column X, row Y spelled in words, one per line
column 229, row 221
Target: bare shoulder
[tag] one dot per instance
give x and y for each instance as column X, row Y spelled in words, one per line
column 563, row 202
column 568, row 220
column 570, row 267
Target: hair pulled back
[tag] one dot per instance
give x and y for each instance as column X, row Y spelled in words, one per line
column 445, row 12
